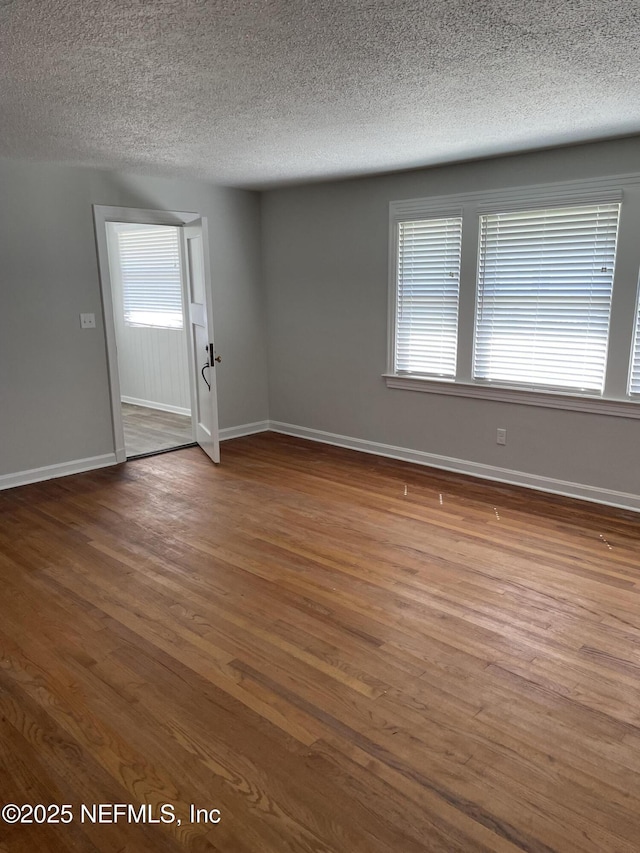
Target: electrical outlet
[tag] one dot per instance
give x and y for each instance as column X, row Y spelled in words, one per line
column 501, row 436
column 87, row 321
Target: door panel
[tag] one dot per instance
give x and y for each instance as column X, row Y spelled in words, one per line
column 201, row 338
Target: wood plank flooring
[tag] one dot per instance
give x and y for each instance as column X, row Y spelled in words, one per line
column 151, row 430
column 340, row 653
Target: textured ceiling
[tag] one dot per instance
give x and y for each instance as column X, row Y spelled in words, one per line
column 261, row 92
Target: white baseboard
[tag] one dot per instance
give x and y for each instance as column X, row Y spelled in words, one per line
column 243, row 429
column 621, row 500
column 36, row 475
column 77, row 466
column 161, row 407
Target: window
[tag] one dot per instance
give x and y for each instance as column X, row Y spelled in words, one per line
column 634, row 378
column 151, row 280
column 428, row 277
column 522, row 294
column 545, row 280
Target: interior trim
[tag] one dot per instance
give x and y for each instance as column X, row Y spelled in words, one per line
column 521, row 396
column 63, row 469
column 609, row 497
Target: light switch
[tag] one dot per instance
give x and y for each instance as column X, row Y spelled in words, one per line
column 88, row 321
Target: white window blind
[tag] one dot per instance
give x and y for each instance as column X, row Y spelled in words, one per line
column 634, row 378
column 428, row 280
column 545, row 281
column 151, row 282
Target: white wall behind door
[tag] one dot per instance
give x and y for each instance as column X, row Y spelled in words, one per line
column 152, row 362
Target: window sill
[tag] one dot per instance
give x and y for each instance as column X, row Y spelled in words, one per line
column 544, row 399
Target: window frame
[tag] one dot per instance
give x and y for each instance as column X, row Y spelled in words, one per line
column 121, row 232
column 455, row 213
column 635, row 347
column 615, row 399
column 477, row 355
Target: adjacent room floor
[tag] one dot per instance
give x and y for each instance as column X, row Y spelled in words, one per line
column 336, row 652
column 150, row 430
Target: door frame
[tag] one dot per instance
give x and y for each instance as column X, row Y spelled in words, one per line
column 101, row 215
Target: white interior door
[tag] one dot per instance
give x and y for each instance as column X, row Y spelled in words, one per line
column 203, row 383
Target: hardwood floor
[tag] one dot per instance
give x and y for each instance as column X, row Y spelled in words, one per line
column 151, row 430
column 338, row 652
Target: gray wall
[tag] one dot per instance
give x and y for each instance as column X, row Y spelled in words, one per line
column 324, row 270
column 54, row 397
column 325, row 257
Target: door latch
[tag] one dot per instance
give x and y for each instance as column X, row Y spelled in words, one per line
column 211, row 359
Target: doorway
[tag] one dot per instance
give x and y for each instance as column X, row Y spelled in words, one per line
column 156, row 293
column 151, row 336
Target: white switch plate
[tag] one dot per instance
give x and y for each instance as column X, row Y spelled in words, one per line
column 88, row 321
column 501, row 436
